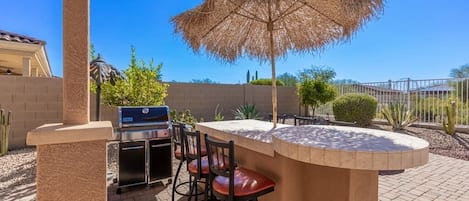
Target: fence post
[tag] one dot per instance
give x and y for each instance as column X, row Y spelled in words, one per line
column 408, row 93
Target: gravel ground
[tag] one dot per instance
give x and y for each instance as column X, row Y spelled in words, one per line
column 17, row 175
column 455, row 146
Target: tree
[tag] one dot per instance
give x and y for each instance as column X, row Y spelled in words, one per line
column 266, row 81
column 461, row 72
column 203, row 81
column 92, row 52
column 142, row 85
column 248, row 77
column 317, row 72
column 344, row 81
column 314, row 93
column 288, row 79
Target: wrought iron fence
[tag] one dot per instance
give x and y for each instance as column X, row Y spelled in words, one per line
column 425, row 98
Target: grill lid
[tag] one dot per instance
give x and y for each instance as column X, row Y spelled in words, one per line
column 137, row 116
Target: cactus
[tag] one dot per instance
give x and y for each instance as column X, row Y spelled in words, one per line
column 5, row 123
column 450, row 121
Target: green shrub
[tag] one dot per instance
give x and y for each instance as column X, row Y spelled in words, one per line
column 426, row 109
column 246, row 112
column 142, row 86
column 315, row 93
column 357, row 108
column 218, row 115
column 183, row 117
column 398, row 116
column 266, row 82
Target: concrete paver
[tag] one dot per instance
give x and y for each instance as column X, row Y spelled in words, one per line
column 443, row 178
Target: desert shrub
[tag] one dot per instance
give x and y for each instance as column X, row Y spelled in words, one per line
column 398, row 115
column 357, row 108
column 266, row 82
column 183, row 117
column 218, row 115
column 246, row 112
column 426, row 109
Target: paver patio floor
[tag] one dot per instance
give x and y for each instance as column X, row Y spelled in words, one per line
column 443, row 178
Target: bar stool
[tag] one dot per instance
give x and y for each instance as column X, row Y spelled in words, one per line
column 179, row 130
column 228, row 182
column 196, row 164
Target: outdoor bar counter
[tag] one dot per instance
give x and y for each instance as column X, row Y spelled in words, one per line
column 319, row 162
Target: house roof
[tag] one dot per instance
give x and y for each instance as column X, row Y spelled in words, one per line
column 376, row 88
column 437, row 88
column 13, row 37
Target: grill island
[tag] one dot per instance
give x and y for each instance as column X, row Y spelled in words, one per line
column 145, row 145
column 319, row 162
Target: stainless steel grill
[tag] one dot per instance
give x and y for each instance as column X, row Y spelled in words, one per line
column 145, row 145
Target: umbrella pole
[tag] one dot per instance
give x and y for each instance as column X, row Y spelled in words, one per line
column 274, row 80
column 98, row 102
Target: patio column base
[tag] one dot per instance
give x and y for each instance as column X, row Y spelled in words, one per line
column 71, row 160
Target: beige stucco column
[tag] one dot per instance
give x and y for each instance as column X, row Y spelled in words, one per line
column 76, row 71
column 71, row 156
column 26, row 66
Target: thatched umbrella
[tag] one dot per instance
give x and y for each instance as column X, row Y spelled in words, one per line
column 267, row 29
column 100, row 72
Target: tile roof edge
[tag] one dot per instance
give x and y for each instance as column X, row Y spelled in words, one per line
column 32, row 39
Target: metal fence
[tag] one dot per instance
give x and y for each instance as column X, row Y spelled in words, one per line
column 425, row 98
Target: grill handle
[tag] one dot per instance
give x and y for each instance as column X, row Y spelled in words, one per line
column 132, row 148
column 161, row 145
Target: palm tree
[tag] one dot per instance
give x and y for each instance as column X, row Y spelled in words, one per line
column 101, row 72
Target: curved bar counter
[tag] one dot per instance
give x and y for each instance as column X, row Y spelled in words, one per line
column 319, row 162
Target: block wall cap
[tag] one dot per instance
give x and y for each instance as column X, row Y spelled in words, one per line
column 58, row 133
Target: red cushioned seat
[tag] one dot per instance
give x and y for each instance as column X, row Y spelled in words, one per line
column 204, row 163
column 178, row 154
column 246, row 182
column 205, row 167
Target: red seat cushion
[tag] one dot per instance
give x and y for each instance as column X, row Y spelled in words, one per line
column 246, row 182
column 205, row 167
column 178, row 153
column 204, row 163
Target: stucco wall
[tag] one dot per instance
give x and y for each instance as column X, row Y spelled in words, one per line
column 35, row 101
column 202, row 99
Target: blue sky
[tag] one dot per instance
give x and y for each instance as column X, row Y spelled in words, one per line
column 420, row 39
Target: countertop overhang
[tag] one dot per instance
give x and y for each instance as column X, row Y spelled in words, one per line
column 334, row 146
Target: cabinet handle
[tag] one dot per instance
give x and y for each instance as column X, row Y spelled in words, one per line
column 132, row 148
column 161, row 145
